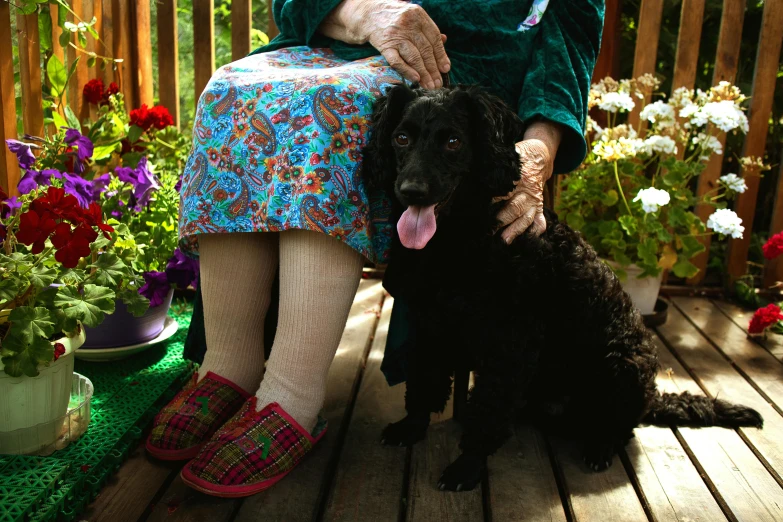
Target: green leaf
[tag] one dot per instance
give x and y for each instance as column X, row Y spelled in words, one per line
column 610, row 198
column 628, row 223
column 90, row 307
column 73, row 121
column 673, row 178
column 648, row 252
column 91, row 62
column 575, row 220
column 134, row 133
column 136, row 303
column 28, row 323
column 82, row 39
column 58, row 77
column 104, row 151
column 9, row 288
column 691, row 246
column 45, row 31
column 65, row 37
column 59, row 121
column 685, row 269
column 110, row 269
column 41, row 277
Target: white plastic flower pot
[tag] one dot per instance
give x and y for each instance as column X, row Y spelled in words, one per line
column 644, row 291
column 41, row 400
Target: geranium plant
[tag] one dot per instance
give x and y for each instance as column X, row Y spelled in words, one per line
column 633, row 198
column 769, row 317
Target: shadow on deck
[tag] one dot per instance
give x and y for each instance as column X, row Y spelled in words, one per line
column 688, row 474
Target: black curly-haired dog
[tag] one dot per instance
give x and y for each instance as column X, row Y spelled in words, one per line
column 545, row 324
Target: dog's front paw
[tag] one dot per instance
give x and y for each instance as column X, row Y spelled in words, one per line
column 406, row 432
column 598, row 457
column 463, row 474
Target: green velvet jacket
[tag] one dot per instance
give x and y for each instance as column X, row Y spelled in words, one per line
column 544, row 71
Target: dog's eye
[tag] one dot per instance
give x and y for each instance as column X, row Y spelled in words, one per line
column 401, row 139
column 454, row 143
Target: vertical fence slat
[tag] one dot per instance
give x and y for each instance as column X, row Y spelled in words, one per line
column 168, row 58
column 241, row 23
column 650, row 14
column 688, row 40
column 81, row 75
column 57, row 49
column 121, row 45
column 608, row 62
column 726, row 61
column 142, row 53
column 764, row 78
column 203, row 43
column 774, row 270
column 30, row 73
column 272, row 31
column 9, row 170
column 107, row 37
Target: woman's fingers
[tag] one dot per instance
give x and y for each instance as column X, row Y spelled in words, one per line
column 515, row 208
column 518, row 227
column 398, row 64
column 412, row 55
column 428, row 56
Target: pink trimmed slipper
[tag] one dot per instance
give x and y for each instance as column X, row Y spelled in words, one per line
column 186, row 423
column 251, row 452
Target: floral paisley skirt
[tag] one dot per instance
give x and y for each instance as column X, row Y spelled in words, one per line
column 277, row 145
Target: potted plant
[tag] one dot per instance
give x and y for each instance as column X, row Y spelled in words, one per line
column 61, row 268
column 633, row 197
column 142, row 155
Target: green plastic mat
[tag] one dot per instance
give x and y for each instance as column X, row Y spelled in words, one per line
column 128, row 394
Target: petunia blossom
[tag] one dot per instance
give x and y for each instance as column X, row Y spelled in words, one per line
column 182, row 270
column 32, row 179
column 23, row 151
column 80, row 188
column 84, row 148
column 156, row 287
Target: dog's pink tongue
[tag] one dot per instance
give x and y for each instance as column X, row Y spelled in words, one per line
column 417, row 226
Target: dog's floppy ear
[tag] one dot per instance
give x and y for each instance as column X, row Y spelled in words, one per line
column 379, row 167
column 498, row 129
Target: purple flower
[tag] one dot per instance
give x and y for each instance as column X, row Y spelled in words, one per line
column 99, row 184
column 182, row 270
column 52, row 173
column 79, row 187
column 33, row 179
column 23, row 151
column 126, row 175
column 9, row 207
column 146, row 184
column 84, row 151
column 156, row 287
column 178, row 186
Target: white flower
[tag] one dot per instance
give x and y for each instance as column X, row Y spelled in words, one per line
column 733, row 182
column 652, row 199
column 658, row 112
column 662, row 144
column 613, row 150
column 614, row 101
column 726, row 115
column 592, row 126
column 689, row 110
column 726, row 222
column 709, row 145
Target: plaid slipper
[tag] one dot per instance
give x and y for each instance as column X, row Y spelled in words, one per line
column 251, row 452
column 189, row 420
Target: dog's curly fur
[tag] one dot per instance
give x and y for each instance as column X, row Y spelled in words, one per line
column 543, row 321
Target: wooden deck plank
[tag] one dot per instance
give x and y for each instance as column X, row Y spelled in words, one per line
column 306, row 483
column 522, row 483
column 127, row 494
column 741, row 317
column 607, row 496
column 369, row 480
column 720, row 379
column 759, row 365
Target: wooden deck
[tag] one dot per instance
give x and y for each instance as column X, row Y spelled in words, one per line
column 664, row 475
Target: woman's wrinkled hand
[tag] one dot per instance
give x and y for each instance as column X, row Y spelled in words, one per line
column 401, row 31
column 525, row 204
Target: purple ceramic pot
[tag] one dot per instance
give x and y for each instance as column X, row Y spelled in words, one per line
column 123, row 329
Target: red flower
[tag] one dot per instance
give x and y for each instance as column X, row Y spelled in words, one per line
column 59, row 350
column 34, row 229
column 774, row 246
column 141, row 117
column 72, row 245
column 94, row 218
column 93, row 91
column 763, row 318
column 161, row 117
column 113, row 89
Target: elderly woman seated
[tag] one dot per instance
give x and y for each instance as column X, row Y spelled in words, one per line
column 274, row 183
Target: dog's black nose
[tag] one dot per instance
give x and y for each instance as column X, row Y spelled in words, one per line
column 414, row 189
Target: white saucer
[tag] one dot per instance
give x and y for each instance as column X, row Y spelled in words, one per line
column 121, row 352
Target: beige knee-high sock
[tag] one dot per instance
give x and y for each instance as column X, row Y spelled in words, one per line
column 237, row 272
column 318, row 280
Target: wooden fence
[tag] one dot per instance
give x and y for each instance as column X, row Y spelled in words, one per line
column 125, row 26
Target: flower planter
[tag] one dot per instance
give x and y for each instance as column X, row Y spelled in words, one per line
column 123, row 329
column 41, row 400
column 643, row 292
